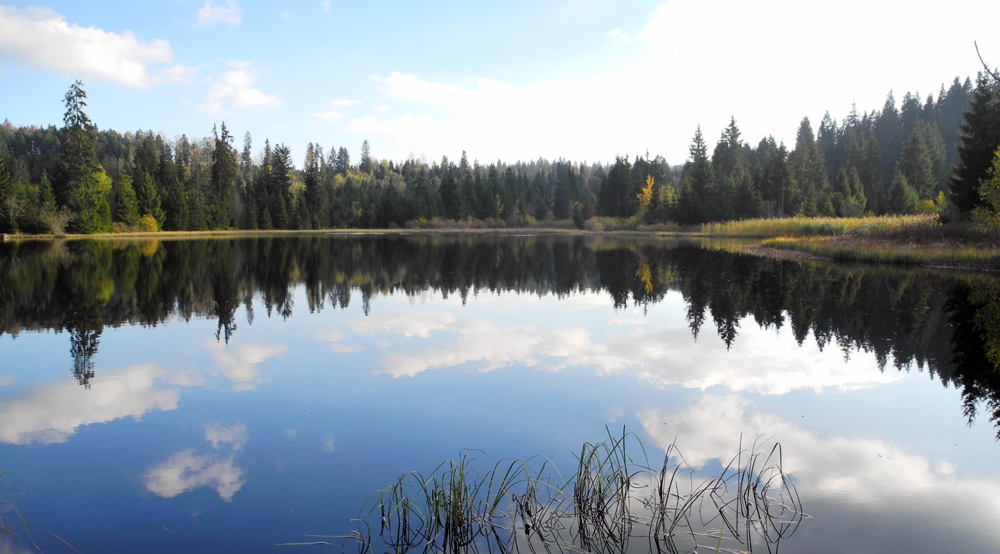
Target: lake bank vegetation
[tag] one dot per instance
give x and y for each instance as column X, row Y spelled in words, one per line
column 617, row 497
column 922, row 156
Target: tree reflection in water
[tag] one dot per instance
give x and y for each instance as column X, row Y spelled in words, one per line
column 946, row 322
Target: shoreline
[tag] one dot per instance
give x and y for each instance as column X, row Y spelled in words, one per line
column 875, row 250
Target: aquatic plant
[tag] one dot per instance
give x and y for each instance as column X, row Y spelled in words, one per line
column 615, row 497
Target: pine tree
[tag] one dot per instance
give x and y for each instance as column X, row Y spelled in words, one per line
column 902, row 198
column 979, row 139
column 225, row 172
column 916, row 164
column 809, row 168
column 148, row 199
column 615, row 199
column 85, row 185
column 126, row 205
column 366, row 158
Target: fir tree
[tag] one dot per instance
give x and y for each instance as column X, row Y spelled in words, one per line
column 126, row 205
column 902, row 198
column 85, row 185
column 980, row 137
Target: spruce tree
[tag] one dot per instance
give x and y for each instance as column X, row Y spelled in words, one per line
column 225, row 172
column 917, row 165
column 902, row 199
column 85, row 185
column 126, row 205
column 148, row 198
column 979, row 139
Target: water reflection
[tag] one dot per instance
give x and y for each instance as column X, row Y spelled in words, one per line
column 188, row 470
column 944, row 322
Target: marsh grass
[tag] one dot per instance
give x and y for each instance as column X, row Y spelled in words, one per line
column 864, row 249
column 616, row 497
column 913, row 225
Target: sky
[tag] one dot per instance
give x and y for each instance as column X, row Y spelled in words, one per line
column 516, row 80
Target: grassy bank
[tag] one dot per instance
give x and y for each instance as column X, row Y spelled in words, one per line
column 911, row 240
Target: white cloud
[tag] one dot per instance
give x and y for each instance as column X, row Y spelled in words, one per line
column 239, row 364
column 329, row 116
column 868, row 471
column 40, row 37
column 235, row 435
column 53, row 412
column 328, row 444
column 325, row 4
column 336, row 337
column 693, row 67
column 409, row 324
column 7, row 380
column 234, row 88
column 286, row 16
column 656, row 353
column 186, row 471
column 231, row 14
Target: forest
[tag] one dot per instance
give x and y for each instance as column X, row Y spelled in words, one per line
column 922, row 155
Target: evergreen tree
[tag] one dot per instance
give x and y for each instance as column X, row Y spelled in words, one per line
column 85, row 185
column 343, row 163
column 616, row 198
column 450, row 197
column 147, row 197
column 778, row 187
column 126, row 205
column 979, row 139
column 695, row 203
column 809, row 169
column 916, row 164
column 366, row 158
column 225, row 172
column 902, row 198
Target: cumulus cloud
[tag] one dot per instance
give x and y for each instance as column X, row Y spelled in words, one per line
column 239, row 364
column 236, row 435
column 186, row 471
column 234, row 89
column 692, row 67
column 658, row 353
column 409, row 324
column 51, row 413
column 40, row 37
column 230, row 14
column 336, row 337
column 868, row 471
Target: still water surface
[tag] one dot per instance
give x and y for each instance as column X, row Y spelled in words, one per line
column 227, row 395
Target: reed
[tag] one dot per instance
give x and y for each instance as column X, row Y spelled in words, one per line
column 614, row 497
column 823, row 226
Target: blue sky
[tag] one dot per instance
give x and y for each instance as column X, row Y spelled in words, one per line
column 580, row 79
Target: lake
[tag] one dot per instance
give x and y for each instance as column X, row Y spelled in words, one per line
column 235, row 394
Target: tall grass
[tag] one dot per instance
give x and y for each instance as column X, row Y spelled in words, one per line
column 614, row 498
column 825, row 226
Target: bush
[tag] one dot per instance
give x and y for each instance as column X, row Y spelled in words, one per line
column 147, row 224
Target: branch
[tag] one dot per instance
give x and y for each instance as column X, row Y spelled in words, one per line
column 991, row 73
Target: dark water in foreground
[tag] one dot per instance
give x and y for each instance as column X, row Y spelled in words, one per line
column 227, row 395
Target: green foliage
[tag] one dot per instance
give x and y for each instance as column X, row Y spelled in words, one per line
column 980, row 137
column 85, row 184
column 902, row 198
column 987, row 214
column 126, row 205
column 616, row 198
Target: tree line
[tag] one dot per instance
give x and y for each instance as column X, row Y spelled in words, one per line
column 942, row 322
column 912, row 158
